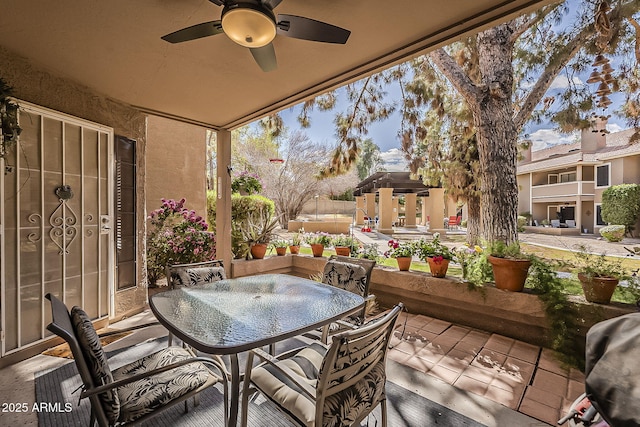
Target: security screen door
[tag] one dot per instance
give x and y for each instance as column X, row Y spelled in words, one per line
column 56, row 221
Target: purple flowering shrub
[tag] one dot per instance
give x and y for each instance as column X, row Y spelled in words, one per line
column 176, row 235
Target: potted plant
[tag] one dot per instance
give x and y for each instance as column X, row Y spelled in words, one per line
column 599, row 275
column 280, row 246
column 318, row 241
column 402, row 252
column 294, row 244
column 257, row 230
column 436, row 254
column 510, row 266
column 344, row 245
column 467, row 256
column 369, row 251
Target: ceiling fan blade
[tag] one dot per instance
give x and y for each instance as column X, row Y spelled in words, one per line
column 265, row 56
column 299, row 27
column 197, row 31
column 271, row 3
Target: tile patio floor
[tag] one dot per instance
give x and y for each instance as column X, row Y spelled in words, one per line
column 521, row 376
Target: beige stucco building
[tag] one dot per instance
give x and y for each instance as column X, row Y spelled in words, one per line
column 87, row 245
column 563, row 184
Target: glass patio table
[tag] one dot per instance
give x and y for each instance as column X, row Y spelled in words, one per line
column 231, row 316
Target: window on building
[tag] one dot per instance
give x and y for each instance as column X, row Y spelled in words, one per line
column 568, row 177
column 125, row 208
column 599, row 220
column 602, row 175
column 552, row 178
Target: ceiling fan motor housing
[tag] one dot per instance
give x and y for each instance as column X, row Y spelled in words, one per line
column 249, row 24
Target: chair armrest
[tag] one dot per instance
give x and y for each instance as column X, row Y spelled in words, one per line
column 137, row 377
column 131, row 328
column 273, row 361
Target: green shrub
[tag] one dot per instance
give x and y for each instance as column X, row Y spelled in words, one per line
column 522, row 221
column 621, row 205
column 241, row 208
column 613, row 233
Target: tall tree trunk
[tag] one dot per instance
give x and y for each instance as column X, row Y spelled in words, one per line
column 473, row 220
column 497, row 136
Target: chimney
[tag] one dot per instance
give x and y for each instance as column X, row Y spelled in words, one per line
column 594, row 138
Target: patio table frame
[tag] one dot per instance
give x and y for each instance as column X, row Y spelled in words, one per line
column 232, row 316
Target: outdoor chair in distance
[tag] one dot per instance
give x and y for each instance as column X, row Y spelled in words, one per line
column 353, row 275
column 186, row 275
column 319, row 384
column 138, row 390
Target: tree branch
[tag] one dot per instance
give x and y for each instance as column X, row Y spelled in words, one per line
column 555, row 64
column 456, row 76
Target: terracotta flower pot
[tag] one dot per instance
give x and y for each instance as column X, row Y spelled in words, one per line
column 404, row 263
column 258, row 250
column 317, row 249
column 510, row 274
column 343, row 250
column 438, row 266
column 294, row 249
column 598, row 289
column 281, row 251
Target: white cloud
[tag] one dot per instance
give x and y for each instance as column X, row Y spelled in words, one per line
column 614, row 127
column 544, row 138
column 562, row 82
column 394, row 160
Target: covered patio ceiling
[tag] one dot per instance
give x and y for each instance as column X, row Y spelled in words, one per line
column 114, row 48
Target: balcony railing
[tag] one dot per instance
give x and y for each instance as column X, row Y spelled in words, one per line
column 569, row 189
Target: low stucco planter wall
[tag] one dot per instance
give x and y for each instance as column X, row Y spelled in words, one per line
column 338, row 226
column 518, row 315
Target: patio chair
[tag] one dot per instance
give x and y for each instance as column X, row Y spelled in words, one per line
column 321, row 385
column 453, row 222
column 138, row 390
column 179, row 275
column 186, row 275
column 353, row 275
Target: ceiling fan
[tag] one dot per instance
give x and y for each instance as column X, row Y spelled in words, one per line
column 252, row 24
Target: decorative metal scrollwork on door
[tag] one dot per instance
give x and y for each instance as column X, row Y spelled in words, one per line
column 63, row 221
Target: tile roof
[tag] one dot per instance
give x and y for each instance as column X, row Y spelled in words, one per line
column 564, row 155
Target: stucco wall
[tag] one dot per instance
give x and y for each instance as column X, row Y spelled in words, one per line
column 176, row 164
column 524, row 193
column 47, row 89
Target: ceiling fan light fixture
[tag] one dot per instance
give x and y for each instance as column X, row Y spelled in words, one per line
column 249, row 27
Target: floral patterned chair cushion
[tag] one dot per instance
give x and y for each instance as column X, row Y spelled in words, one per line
column 273, row 383
column 96, row 360
column 350, row 277
column 178, row 274
column 198, row 276
column 142, row 397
